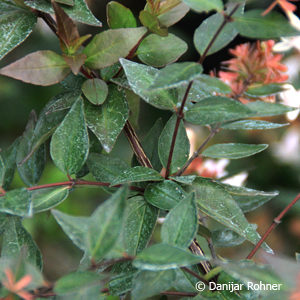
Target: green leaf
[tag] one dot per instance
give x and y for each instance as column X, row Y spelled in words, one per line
column 176, row 74
column 266, row 109
column 226, row 238
column 2, row 171
column 107, row 121
column 159, row 51
column 216, row 109
column 174, row 15
column 252, row 125
column 271, row 26
column 140, row 78
column 40, row 68
column 30, row 171
column 248, row 199
column 44, row 199
column 121, row 284
column 151, row 21
column 74, row 227
column 204, row 5
column 263, row 90
column 139, row 225
column 17, row 202
column 105, row 225
column 134, row 102
column 66, row 2
column 107, row 47
column 76, row 282
column 96, row 90
column 119, row 16
column 208, row 28
column 16, row 25
column 233, row 151
column 70, row 142
column 137, row 174
column 78, row 12
column 163, row 257
column 180, row 225
column 181, row 148
column 150, row 283
column 164, row 195
column 15, row 237
column 217, row 203
column 188, row 179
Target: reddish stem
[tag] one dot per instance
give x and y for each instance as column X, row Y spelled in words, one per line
column 276, row 221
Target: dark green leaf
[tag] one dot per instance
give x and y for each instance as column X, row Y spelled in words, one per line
column 107, row 121
column 163, row 257
column 204, row 5
column 226, row 238
column 108, row 46
column 233, row 151
column 164, row 195
column 249, row 199
column 137, row 174
column 44, row 199
column 15, row 237
column 70, row 142
column 16, row 24
column 180, row 225
column 263, row 90
column 217, row 203
column 159, row 51
column 76, row 282
column 66, row 2
column 174, row 15
column 31, row 170
column 140, row 78
column 96, row 90
column 176, row 74
column 216, row 109
column 40, row 68
column 2, row 171
column 108, row 73
column 271, row 26
column 252, row 125
column 121, row 284
column 150, row 283
column 181, row 148
column 266, row 109
column 105, row 225
column 78, row 12
column 139, row 225
column 188, row 179
column 17, row 202
column 133, row 101
column 119, row 16
column 151, row 21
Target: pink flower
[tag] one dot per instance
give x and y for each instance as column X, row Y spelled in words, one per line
column 285, row 5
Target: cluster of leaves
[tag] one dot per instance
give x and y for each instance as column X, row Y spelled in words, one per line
column 99, row 100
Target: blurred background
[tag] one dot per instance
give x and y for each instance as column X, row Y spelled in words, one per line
column 277, row 168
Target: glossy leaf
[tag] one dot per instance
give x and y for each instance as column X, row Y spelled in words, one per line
column 164, row 195
column 137, row 174
column 134, row 102
column 31, row 170
column 16, row 24
column 139, row 225
column 15, row 237
column 217, row 203
column 140, row 78
column 233, row 151
column 74, row 227
column 17, row 202
column 263, row 90
column 78, row 12
column 226, row 238
column 107, row 121
column 185, row 179
column 105, row 225
column 40, row 68
column 96, row 90
column 252, row 125
column 122, row 283
column 180, row 225
column 70, row 142
column 266, row 109
column 107, row 47
column 204, row 5
column 151, row 21
column 181, row 148
column 150, row 283
column 119, row 16
column 164, row 257
column 271, row 26
column 44, row 199
column 216, row 109
column 176, row 74
column 173, row 15
column 66, row 2
column 159, row 51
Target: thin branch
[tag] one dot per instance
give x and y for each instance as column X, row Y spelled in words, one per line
column 276, row 221
column 195, row 275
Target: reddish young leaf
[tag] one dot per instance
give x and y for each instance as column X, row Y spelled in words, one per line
column 75, row 61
